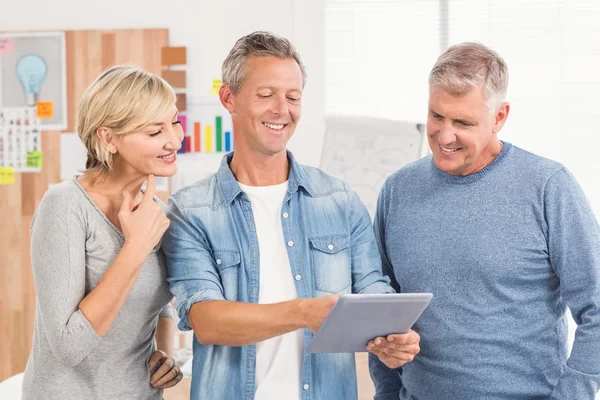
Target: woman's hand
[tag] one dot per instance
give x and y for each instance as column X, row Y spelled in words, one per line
column 143, row 225
column 166, row 371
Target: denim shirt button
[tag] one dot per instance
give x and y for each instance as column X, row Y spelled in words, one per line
column 218, row 261
column 290, row 243
column 305, row 387
column 330, row 246
column 285, row 215
column 298, row 277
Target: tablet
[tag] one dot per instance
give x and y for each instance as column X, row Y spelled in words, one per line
column 357, row 318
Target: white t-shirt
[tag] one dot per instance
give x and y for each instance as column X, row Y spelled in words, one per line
column 279, row 359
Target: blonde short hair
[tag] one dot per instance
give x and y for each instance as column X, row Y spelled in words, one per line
column 465, row 66
column 124, row 99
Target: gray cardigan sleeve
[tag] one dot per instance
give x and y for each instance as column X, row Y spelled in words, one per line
column 166, row 312
column 58, row 236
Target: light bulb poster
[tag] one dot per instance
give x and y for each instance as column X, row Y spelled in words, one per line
column 33, row 74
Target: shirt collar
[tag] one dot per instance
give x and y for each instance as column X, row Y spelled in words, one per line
column 298, row 177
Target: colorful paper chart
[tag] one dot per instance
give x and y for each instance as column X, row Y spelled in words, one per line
column 207, row 126
column 20, row 139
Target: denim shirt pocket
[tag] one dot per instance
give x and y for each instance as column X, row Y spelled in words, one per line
column 331, row 263
column 228, row 264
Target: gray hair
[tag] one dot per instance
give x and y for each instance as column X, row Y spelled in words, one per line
column 260, row 43
column 465, row 66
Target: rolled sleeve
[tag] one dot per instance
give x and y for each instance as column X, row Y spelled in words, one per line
column 191, row 269
column 184, row 308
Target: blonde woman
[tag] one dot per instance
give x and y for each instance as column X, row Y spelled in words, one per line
column 102, row 295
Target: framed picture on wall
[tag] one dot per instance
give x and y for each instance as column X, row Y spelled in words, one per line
column 33, row 74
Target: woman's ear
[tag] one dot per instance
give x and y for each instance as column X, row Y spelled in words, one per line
column 107, row 138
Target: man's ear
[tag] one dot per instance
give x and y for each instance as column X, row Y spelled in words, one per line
column 500, row 117
column 227, row 98
column 107, row 138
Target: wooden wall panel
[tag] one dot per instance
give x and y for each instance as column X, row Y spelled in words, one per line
column 11, row 298
column 88, row 54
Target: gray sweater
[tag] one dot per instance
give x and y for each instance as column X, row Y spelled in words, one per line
column 504, row 251
column 72, row 246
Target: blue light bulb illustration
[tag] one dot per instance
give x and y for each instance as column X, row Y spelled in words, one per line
column 31, row 70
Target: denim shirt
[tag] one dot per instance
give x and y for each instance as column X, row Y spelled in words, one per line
column 212, row 253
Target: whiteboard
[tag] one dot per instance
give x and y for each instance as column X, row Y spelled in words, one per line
column 74, row 156
column 364, row 151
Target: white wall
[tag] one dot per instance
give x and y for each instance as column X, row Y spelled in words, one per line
column 553, row 56
column 208, row 29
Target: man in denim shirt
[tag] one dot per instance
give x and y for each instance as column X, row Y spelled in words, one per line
column 262, row 249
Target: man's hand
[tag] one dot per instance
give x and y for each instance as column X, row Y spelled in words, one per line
column 315, row 310
column 395, row 350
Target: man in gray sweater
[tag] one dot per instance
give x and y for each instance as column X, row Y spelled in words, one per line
column 504, row 239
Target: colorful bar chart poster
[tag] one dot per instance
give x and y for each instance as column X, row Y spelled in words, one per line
column 208, row 126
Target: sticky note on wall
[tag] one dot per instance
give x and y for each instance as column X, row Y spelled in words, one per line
column 34, row 159
column 216, row 86
column 177, row 79
column 7, row 47
column 45, row 109
column 7, row 175
column 181, row 101
column 183, row 121
column 173, row 55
